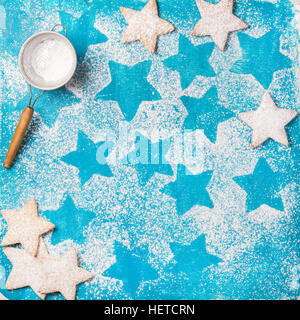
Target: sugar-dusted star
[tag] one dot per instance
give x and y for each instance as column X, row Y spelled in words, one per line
column 25, row 227
column 257, row 58
column 268, row 121
column 189, row 190
column 198, row 259
column 129, row 91
column 205, row 113
column 85, row 27
column 217, row 21
column 63, row 275
column 84, row 158
column 26, row 270
column 132, row 267
column 67, row 218
column 149, row 158
column 263, row 186
column 145, row 25
column 191, row 61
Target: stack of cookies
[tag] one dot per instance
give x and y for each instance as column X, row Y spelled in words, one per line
column 32, row 265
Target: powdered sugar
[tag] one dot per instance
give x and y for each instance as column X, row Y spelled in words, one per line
column 135, row 215
column 52, row 60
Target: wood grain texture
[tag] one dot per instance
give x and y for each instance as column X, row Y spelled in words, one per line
column 18, row 136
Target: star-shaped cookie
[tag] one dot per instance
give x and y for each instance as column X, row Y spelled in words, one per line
column 217, row 21
column 25, row 227
column 44, row 273
column 27, row 270
column 268, row 121
column 145, row 25
column 63, row 275
column 2, row 297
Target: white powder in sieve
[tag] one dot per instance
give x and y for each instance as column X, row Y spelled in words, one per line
column 52, row 60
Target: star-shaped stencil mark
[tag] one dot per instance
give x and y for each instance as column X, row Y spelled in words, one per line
column 262, row 187
column 131, row 267
column 149, row 158
column 205, row 113
column 145, row 25
column 259, row 60
column 189, row 190
column 84, row 158
column 198, row 257
column 50, row 104
column 129, row 87
column 191, row 61
column 70, row 222
column 227, row 22
column 81, row 31
column 268, row 121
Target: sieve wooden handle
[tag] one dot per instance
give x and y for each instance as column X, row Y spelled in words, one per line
column 18, row 136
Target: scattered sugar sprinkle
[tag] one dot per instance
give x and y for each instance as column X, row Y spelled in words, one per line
column 231, row 234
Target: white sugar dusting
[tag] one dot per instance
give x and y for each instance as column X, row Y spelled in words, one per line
column 52, row 60
column 14, row 85
column 133, row 214
column 297, row 23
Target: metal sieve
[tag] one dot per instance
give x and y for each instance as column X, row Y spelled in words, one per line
column 35, row 79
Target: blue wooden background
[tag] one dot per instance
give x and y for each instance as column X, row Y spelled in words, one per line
column 222, row 224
